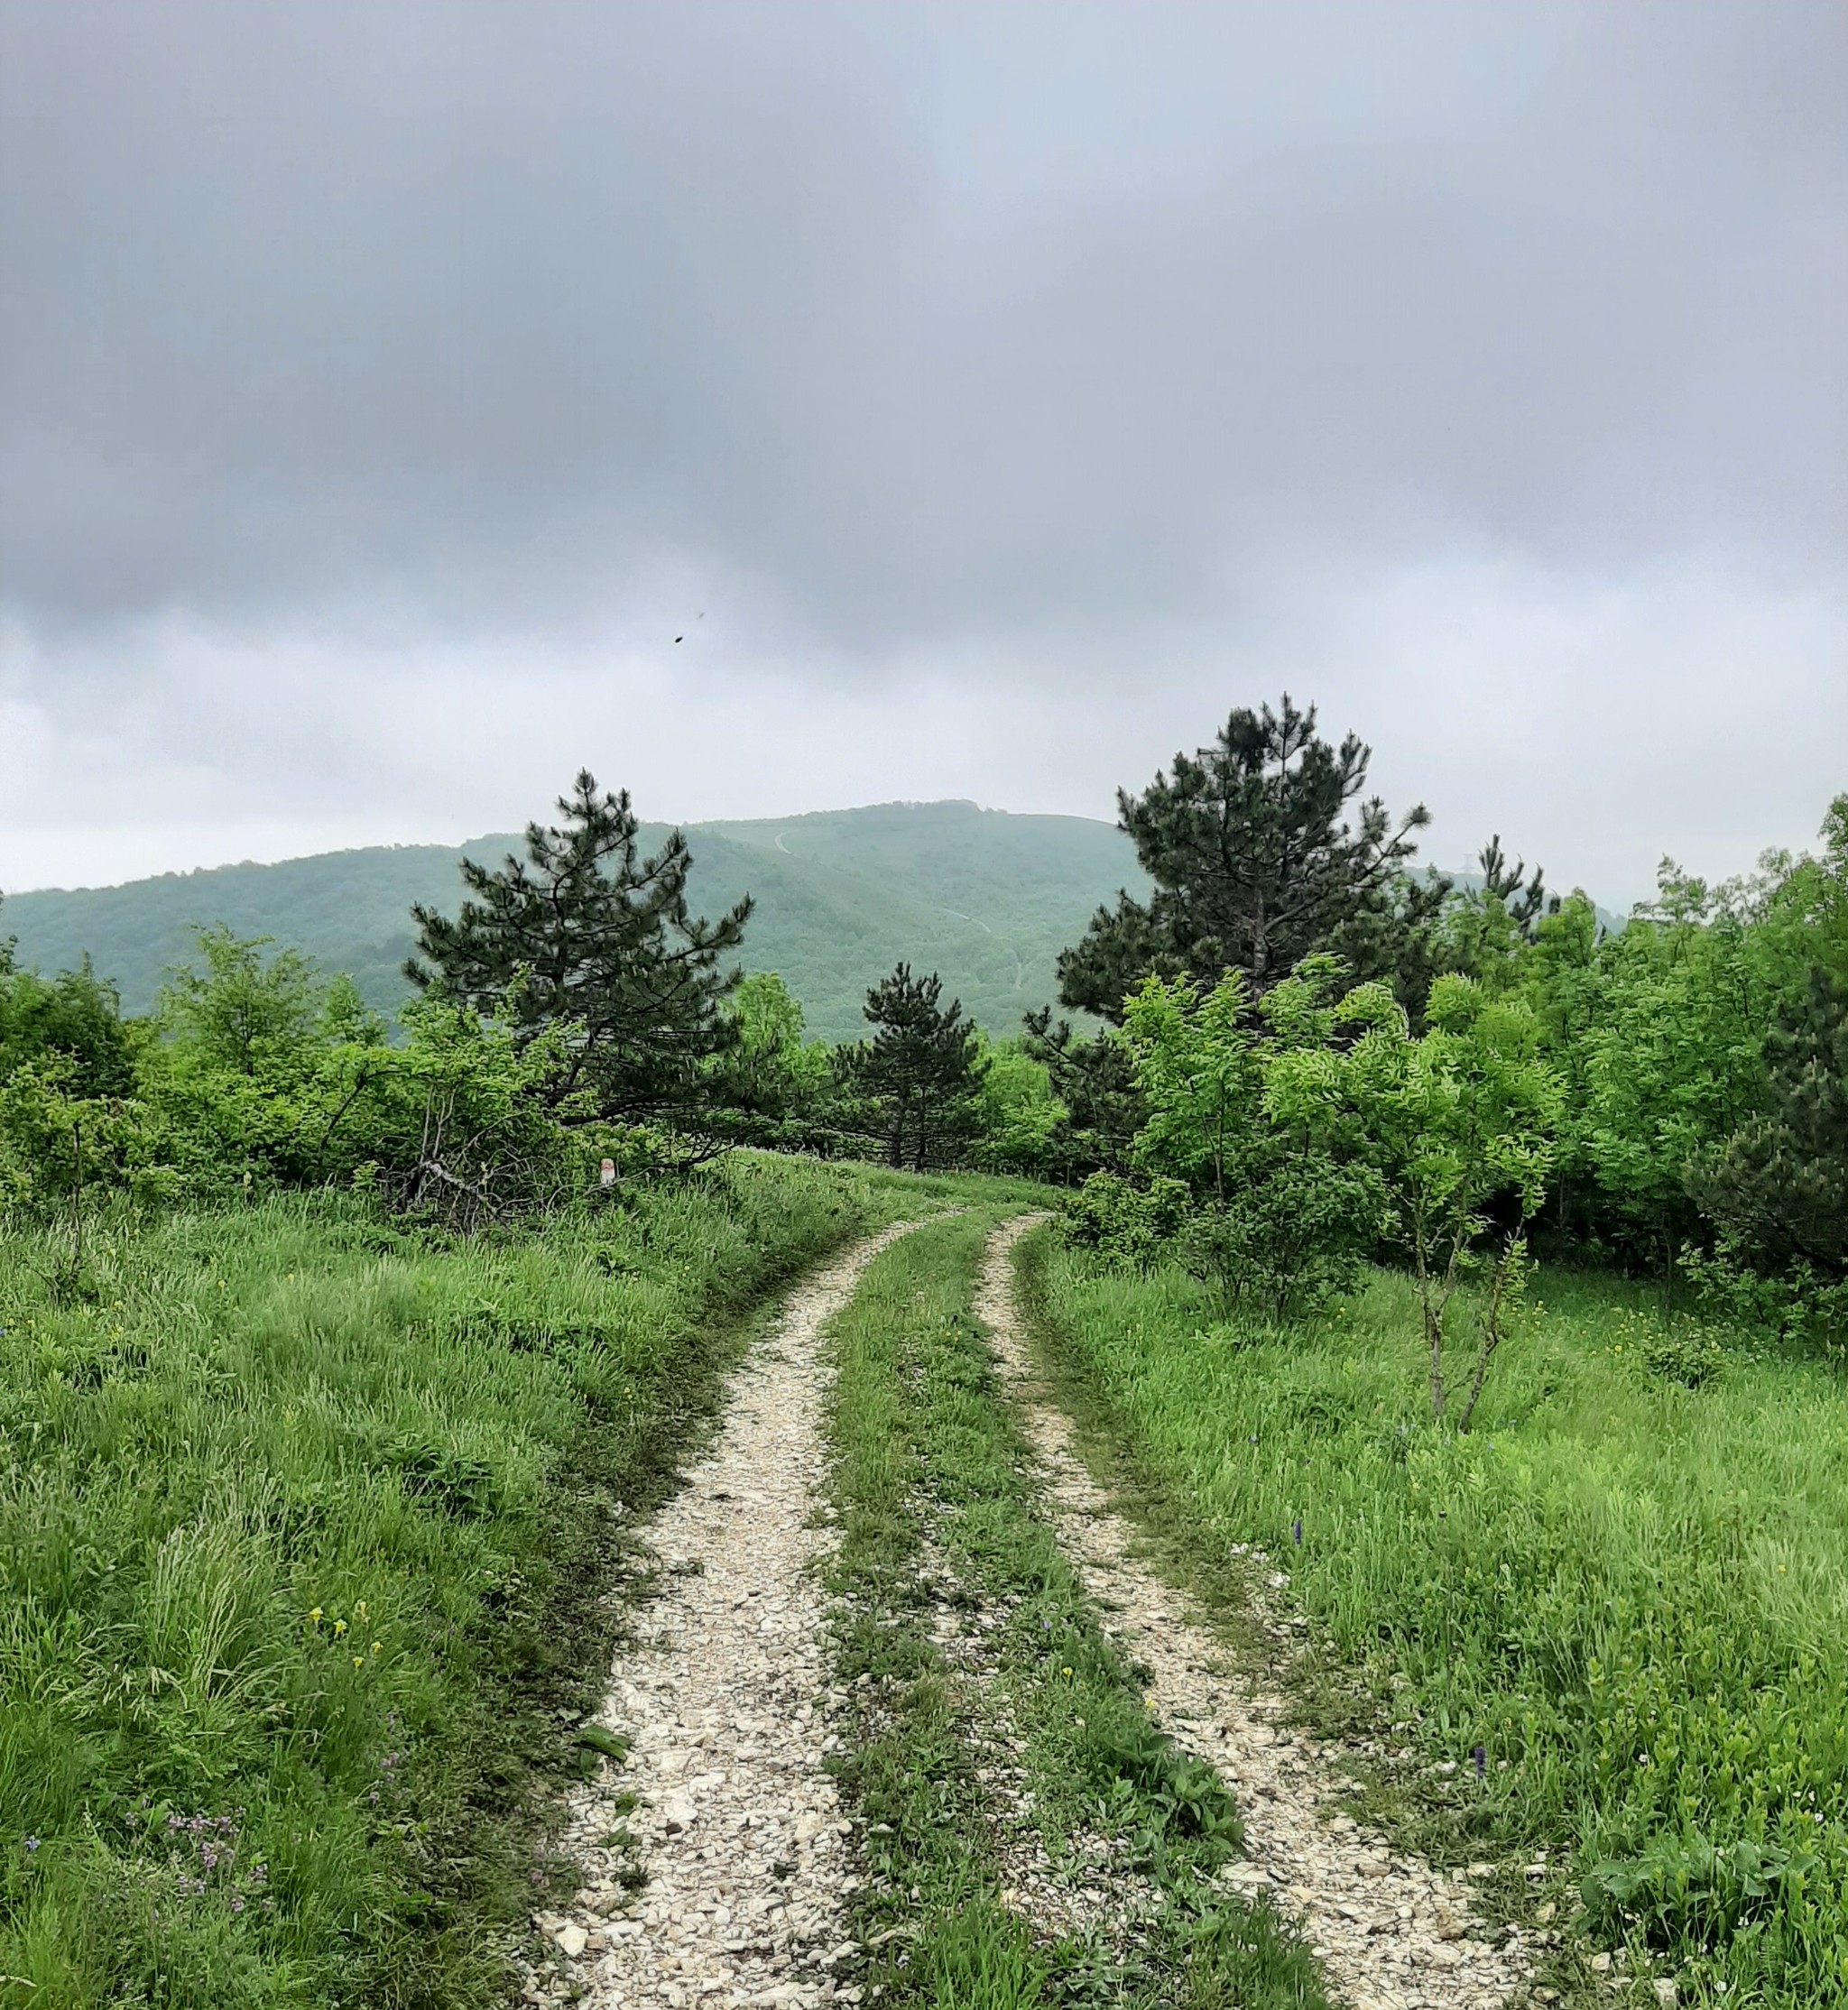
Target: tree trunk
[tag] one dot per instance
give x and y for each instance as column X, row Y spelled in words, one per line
column 1434, row 1336
column 1433, row 1317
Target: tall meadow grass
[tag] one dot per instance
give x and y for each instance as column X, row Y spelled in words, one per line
column 306, row 1533
column 1627, row 1584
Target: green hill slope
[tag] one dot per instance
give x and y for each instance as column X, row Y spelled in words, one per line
column 984, row 897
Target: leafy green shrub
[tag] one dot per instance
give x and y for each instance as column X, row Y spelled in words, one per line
column 1682, row 1351
column 766, row 1074
column 1309, row 1125
column 1295, row 1233
column 1017, row 1116
column 1797, row 1302
column 75, row 1015
column 1124, row 1223
column 1681, row 1889
column 57, row 1145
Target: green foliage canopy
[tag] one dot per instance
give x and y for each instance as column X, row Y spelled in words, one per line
column 1254, row 865
column 74, row 1014
column 587, row 938
column 921, row 1071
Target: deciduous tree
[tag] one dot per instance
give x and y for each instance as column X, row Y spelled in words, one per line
column 1279, row 1219
column 74, row 1014
column 770, row 1071
column 1459, row 1124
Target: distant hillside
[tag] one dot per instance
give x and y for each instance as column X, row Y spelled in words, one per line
column 984, row 897
column 1462, row 876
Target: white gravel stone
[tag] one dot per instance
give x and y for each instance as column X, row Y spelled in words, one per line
column 738, row 1829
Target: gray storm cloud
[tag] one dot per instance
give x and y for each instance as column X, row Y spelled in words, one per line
column 929, row 317
column 1129, row 334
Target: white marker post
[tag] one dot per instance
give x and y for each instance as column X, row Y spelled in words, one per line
column 606, row 1173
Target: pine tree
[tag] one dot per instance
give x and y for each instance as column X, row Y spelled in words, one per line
column 1490, row 927
column 921, row 1070
column 1095, row 1081
column 1255, row 864
column 1522, row 895
column 1779, row 1186
column 586, row 934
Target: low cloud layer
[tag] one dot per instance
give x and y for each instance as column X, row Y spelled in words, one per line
column 990, row 397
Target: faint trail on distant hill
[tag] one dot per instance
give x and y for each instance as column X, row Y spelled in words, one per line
column 737, row 1827
column 1391, row 1932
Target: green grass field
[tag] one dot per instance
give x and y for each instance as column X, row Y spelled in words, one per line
column 306, row 1527
column 1632, row 1593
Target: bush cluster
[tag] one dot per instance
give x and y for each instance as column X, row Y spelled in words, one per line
column 255, row 1076
column 1673, row 1095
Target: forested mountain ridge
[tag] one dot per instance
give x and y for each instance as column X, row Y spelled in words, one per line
column 987, row 897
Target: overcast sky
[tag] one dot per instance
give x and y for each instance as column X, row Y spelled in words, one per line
column 992, row 397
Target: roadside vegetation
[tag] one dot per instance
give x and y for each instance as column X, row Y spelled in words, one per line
column 307, row 1523
column 1574, row 1529
column 1623, row 1587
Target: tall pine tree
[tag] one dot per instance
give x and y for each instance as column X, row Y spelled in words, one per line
column 586, row 934
column 1779, row 1185
column 1256, row 861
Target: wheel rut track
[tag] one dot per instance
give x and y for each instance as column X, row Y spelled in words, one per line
column 725, row 1707
column 1392, row 1933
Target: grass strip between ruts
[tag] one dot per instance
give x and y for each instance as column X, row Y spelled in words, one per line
column 934, row 1491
